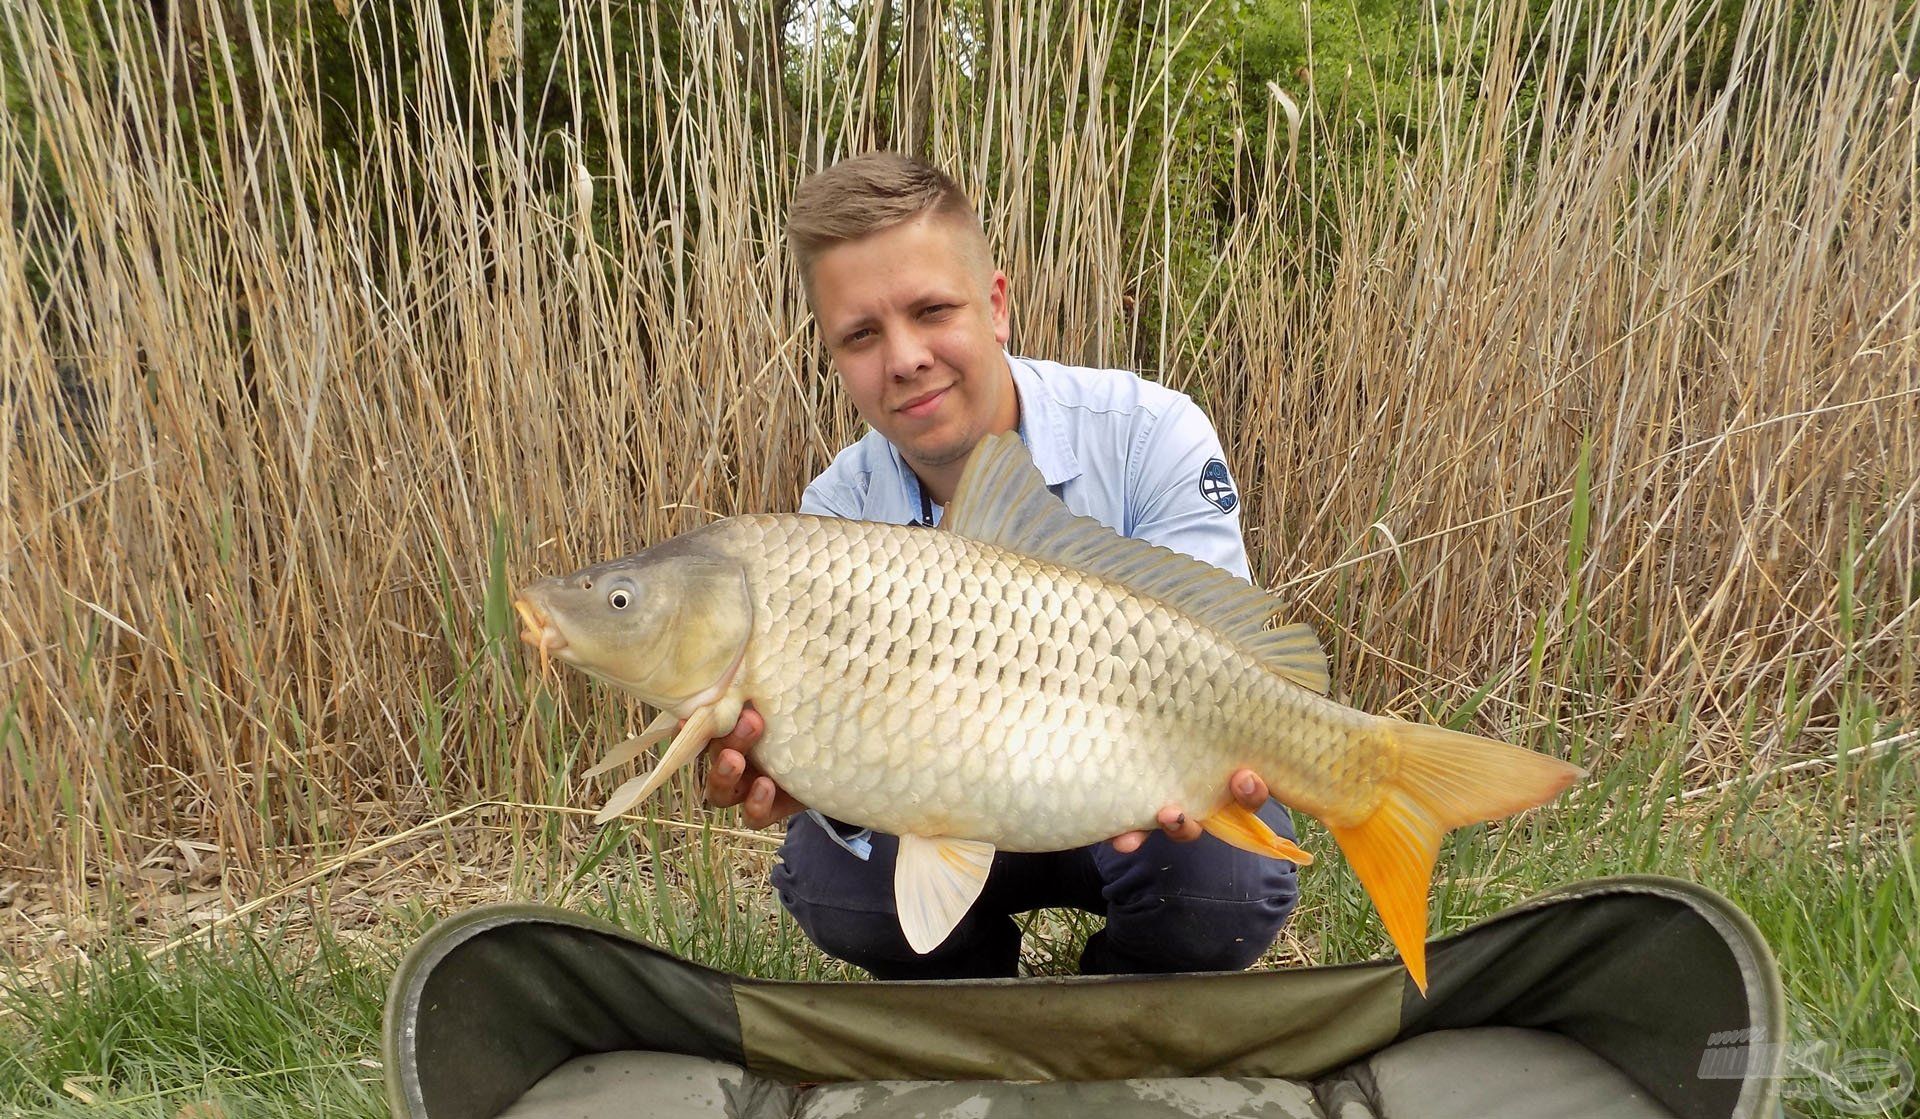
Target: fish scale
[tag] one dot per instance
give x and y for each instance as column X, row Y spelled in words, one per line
column 951, row 666
column 1020, row 679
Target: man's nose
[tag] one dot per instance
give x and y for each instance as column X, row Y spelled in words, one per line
column 907, row 354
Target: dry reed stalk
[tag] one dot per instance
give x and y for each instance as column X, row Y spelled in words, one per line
column 279, row 429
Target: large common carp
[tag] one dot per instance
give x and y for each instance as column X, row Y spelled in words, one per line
column 1021, row 678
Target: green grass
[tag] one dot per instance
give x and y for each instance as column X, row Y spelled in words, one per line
column 251, row 1025
column 254, row 1023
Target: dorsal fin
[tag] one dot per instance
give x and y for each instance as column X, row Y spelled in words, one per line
column 1003, row 500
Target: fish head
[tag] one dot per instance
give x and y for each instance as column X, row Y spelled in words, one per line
column 667, row 625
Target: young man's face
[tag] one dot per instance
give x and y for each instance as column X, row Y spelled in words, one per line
column 917, row 334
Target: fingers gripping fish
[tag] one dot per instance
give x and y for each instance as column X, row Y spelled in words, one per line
column 1020, row 679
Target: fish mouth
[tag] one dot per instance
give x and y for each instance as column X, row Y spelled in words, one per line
column 538, row 630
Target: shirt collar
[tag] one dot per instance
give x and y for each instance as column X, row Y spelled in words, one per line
column 1043, row 429
column 1043, row 425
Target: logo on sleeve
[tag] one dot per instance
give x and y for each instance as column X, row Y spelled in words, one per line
column 1216, row 485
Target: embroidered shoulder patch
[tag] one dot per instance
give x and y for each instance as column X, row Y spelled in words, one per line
column 1216, row 485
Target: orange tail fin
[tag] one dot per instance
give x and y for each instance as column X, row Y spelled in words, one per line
column 1445, row 780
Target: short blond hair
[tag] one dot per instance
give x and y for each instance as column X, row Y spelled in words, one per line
column 865, row 194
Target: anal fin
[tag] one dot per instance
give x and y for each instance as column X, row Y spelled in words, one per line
column 1235, row 825
column 936, row 879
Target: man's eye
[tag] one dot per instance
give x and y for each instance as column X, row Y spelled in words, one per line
column 938, row 310
column 856, row 337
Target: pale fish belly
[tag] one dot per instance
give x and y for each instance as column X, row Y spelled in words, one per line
column 920, row 682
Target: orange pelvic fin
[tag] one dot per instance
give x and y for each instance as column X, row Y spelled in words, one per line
column 1241, row 828
column 1444, row 780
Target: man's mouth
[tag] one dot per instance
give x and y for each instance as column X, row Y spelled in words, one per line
column 924, row 404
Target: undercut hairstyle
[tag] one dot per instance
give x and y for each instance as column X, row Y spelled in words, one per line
column 865, row 194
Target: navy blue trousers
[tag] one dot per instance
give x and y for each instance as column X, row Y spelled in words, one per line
column 1199, row 906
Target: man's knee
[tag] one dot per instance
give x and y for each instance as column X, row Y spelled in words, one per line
column 845, row 906
column 865, row 939
column 841, row 902
column 1190, row 933
column 1232, row 934
column 1200, row 906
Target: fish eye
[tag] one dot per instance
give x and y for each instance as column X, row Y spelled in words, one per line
column 619, row 600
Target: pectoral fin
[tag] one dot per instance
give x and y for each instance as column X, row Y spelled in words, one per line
column 659, row 730
column 935, row 881
column 685, row 747
column 1241, row 828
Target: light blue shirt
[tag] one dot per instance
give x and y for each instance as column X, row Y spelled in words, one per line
column 1135, row 456
column 1139, row 458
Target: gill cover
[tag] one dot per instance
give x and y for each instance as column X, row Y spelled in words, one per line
column 668, row 624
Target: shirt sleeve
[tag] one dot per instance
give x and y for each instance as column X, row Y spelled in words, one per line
column 1183, row 496
column 826, row 497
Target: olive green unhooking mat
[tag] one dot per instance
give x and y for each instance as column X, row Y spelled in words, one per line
column 1626, row 998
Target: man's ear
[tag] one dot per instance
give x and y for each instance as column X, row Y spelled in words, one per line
column 997, row 307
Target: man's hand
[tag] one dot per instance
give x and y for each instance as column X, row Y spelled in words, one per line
column 732, row 779
column 1247, row 788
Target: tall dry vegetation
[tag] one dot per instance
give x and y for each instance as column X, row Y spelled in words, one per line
column 1593, row 406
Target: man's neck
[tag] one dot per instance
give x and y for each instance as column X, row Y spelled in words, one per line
column 940, row 482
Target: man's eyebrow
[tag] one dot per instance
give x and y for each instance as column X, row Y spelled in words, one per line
column 865, row 318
